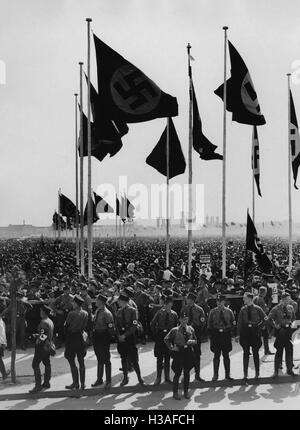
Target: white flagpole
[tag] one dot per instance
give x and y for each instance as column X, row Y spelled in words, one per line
column 168, row 195
column 289, row 180
column 81, row 178
column 224, row 160
column 190, row 178
column 90, row 223
column 59, row 219
column 76, row 179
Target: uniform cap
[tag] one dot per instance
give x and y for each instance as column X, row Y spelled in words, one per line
column 191, row 296
column 123, row 297
column 221, row 297
column 79, row 300
column 46, row 309
column 102, row 297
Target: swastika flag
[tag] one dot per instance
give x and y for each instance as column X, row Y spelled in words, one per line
column 255, row 159
column 67, row 207
column 125, row 92
column 294, row 140
column 254, row 244
column 158, row 156
column 95, row 217
column 101, row 205
column 201, row 144
column 241, row 96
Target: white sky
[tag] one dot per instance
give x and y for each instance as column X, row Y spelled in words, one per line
column 41, row 43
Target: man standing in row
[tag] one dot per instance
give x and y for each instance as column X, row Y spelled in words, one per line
column 196, row 319
column 75, row 326
column 163, row 321
column 103, row 332
column 281, row 318
column 250, row 321
column 221, row 321
column 261, row 301
column 126, row 327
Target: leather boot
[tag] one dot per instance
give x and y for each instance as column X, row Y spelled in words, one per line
column 159, row 368
column 108, row 376
column 176, row 395
column 186, row 384
column 99, row 380
column 226, row 361
column 138, row 373
column 47, row 377
column 82, row 378
column 75, row 384
column 167, row 371
column 125, row 373
column 216, row 363
column 245, row 365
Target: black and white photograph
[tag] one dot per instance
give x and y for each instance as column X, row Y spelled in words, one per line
column 150, row 207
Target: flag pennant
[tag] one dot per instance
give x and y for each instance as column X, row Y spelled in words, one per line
column 294, row 141
column 67, row 207
column 125, row 209
column 158, row 157
column 201, row 144
column 95, row 216
column 105, row 139
column 255, row 159
column 241, row 96
column 125, row 92
column 254, row 244
column 101, row 205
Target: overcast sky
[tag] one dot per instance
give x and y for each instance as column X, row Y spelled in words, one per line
column 41, row 43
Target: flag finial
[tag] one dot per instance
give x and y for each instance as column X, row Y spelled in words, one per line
column 89, row 19
column 80, row 63
column 225, row 27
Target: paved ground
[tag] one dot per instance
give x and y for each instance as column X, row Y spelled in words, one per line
column 284, row 394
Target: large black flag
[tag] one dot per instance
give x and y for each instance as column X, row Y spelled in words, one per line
column 201, row 144
column 101, row 205
column 67, row 207
column 94, row 213
column 294, row 140
column 105, row 138
column 125, row 92
column 254, row 244
column 158, row 157
column 241, row 96
column 255, row 159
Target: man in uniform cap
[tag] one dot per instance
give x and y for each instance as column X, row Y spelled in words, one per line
column 142, row 300
column 260, row 301
column 221, row 321
column 181, row 341
column 251, row 319
column 103, row 332
column 163, row 321
column 75, row 326
column 196, row 319
column 281, row 318
column 43, row 342
column 126, row 327
column 62, row 305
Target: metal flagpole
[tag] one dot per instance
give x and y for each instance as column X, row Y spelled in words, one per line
column 224, row 161
column 289, row 179
column 90, row 224
column 253, row 181
column 116, row 223
column 168, row 195
column 190, row 178
column 76, row 179
column 81, row 178
column 59, row 224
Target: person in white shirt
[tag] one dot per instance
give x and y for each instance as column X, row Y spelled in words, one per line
column 167, row 275
column 3, row 344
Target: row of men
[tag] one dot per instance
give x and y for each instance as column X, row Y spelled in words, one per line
column 176, row 338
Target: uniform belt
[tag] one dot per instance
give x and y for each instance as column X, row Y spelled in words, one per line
column 285, row 325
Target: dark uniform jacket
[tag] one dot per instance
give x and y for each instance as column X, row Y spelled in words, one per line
column 196, row 315
column 126, row 321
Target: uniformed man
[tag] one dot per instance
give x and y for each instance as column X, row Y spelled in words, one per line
column 103, row 332
column 260, row 301
column 87, row 306
column 75, row 326
column 126, row 327
column 163, row 321
column 196, row 319
column 251, row 320
column 221, row 321
column 281, row 318
column 62, row 305
column 181, row 341
column 43, row 339
column 142, row 300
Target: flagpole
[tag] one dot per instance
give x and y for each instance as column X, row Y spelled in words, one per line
column 116, row 223
column 76, row 179
column 168, row 195
column 90, row 224
column 81, row 178
column 59, row 223
column 190, row 171
column 225, row 28
column 289, row 180
column 253, row 197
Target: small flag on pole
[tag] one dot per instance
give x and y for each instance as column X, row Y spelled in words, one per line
column 125, row 92
column 294, row 140
column 201, row 144
column 255, row 159
column 158, row 157
column 101, row 205
column 67, row 207
column 254, row 244
column 241, row 96
column 94, row 212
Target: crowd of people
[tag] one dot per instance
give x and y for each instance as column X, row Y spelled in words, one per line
column 133, row 297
